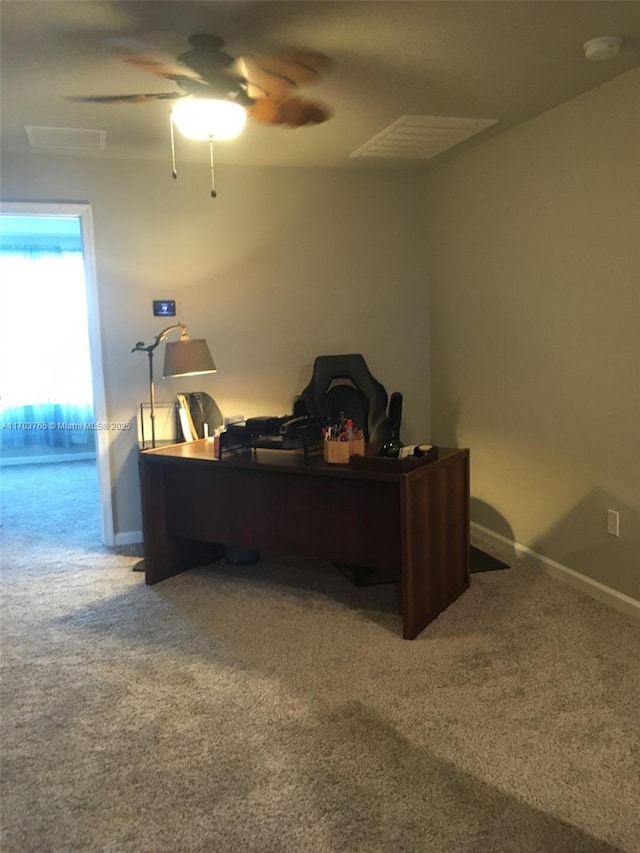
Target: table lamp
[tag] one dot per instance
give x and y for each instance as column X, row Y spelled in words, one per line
column 185, row 357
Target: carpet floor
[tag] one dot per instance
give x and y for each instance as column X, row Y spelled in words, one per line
column 274, row 708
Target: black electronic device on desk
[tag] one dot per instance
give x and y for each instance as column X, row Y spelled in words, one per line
column 283, row 432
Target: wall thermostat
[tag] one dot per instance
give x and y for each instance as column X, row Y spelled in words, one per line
column 164, row 308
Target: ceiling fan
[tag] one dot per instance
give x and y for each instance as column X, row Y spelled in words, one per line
column 218, row 93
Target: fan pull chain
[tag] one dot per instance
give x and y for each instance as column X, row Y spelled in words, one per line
column 174, row 173
column 213, row 176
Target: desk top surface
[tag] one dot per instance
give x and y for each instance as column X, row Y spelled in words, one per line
column 293, row 461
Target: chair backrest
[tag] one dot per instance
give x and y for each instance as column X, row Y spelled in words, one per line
column 344, row 383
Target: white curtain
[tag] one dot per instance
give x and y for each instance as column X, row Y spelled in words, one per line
column 45, row 369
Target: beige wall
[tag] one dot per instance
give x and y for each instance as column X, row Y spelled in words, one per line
column 534, row 275
column 284, row 265
column 531, row 245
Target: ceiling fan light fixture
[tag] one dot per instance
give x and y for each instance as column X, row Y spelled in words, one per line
column 207, row 119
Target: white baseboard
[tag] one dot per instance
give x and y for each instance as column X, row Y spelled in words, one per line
column 129, row 537
column 617, row 600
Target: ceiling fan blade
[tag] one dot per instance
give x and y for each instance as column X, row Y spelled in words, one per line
column 124, row 99
column 289, row 112
column 260, row 84
column 299, row 67
column 275, row 76
column 155, row 61
column 174, row 70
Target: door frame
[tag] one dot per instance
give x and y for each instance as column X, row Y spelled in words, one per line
column 82, row 212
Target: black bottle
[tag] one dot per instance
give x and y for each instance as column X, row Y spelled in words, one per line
column 392, row 447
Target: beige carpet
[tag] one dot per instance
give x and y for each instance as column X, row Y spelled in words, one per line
column 276, row 708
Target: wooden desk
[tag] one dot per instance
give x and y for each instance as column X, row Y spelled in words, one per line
column 416, row 520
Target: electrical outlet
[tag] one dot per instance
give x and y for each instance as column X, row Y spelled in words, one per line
column 613, row 522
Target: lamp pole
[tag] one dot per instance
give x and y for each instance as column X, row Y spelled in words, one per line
column 140, row 347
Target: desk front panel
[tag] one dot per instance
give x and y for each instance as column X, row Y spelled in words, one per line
column 343, row 519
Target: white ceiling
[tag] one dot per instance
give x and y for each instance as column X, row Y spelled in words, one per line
column 474, row 59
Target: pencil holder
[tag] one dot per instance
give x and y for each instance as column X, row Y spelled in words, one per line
column 337, row 452
column 356, row 447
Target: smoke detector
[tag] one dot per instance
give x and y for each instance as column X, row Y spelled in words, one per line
column 603, row 47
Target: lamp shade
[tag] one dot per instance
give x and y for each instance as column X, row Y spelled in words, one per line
column 187, row 357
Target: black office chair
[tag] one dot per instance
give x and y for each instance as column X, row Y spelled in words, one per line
column 344, row 383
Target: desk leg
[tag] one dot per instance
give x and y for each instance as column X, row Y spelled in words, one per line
column 164, row 555
column 435, row 546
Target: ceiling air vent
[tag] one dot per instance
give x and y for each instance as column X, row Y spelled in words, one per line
column 65, row 137
column 422, row 137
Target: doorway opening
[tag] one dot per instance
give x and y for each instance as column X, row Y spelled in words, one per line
column 51, row 379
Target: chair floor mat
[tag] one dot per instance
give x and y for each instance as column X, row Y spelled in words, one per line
column 361, row 576
column 481, row 562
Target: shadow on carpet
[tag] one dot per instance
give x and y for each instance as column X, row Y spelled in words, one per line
column 481, row 562
column 360, row 576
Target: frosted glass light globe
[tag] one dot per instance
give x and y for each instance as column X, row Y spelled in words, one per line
column 208, row 119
